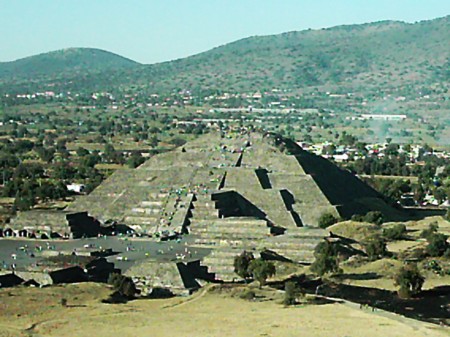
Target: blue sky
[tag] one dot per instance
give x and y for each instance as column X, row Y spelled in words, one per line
column 150, row 31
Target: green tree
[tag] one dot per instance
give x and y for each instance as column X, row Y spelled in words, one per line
column 437, row 244
column 242, row 263
column 326, row 220
column 447, row 214
column 23, row 203
column 432, row 229
column 81, row 152
column 375, row 247
column 122, row 285
column 410, row 281
column 261, row 270
column 135, row 160
column 45, row 154
column 396, row 232
column 374, row 217
column 291, row 293
column 326, row 259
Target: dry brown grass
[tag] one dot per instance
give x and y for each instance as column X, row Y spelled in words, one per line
column 204, row 314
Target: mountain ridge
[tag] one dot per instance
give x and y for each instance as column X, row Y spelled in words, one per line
column 383, row 53
column 67, row 60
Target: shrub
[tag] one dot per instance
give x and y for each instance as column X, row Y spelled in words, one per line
column 115, row 279
column 261, row 270
column 437, row 244
column 177, row 141
column 127, row 288
column 326, row 259
column 447, row 215
column 357, row 217
column 326, row 220
column 409, row 280
column 447, row 253
column 375, row 247
column 291, row 293
column 395, row 233
column 122, row 285
column 374, row 217
column 241, row 264
column 432, row 228
column 247, row 295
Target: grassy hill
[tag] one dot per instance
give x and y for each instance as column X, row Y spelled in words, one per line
column 71, row 61
column 375, row 55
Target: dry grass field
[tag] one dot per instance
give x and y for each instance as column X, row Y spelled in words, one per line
column 38, row 312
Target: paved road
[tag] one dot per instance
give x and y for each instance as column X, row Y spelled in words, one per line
column 26, row 253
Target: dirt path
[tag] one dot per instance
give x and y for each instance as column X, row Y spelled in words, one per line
column 415, row 324
column 189, row 300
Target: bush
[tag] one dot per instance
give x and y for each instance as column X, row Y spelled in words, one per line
column 261, row 270
column 437, row 244
column 447, row 215
column 374, row 217
column 115, row 279
column 326, row 220
column 247, row 295
column 395, row 233
column 409, row 280
column 290, row 293
column 357, row 217
column 375, row 247
column 177, row 141
column 122, row 285
column 432, row 228
column 127, row 288
column 241, row 264
column 326, row 259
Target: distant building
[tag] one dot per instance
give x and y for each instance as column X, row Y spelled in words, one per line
column 77, row 188
column 383, row 117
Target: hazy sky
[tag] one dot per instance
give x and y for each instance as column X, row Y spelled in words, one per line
column 150, row 31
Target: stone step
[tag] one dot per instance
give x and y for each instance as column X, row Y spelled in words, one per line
column 292, row 245
column 241, row 222
column 151, row 203
column 157, row 196
column 229, row 243
column 231, row 230
column 141, row 220
column 202, row 213
column 229, row 236
column 141, row 210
